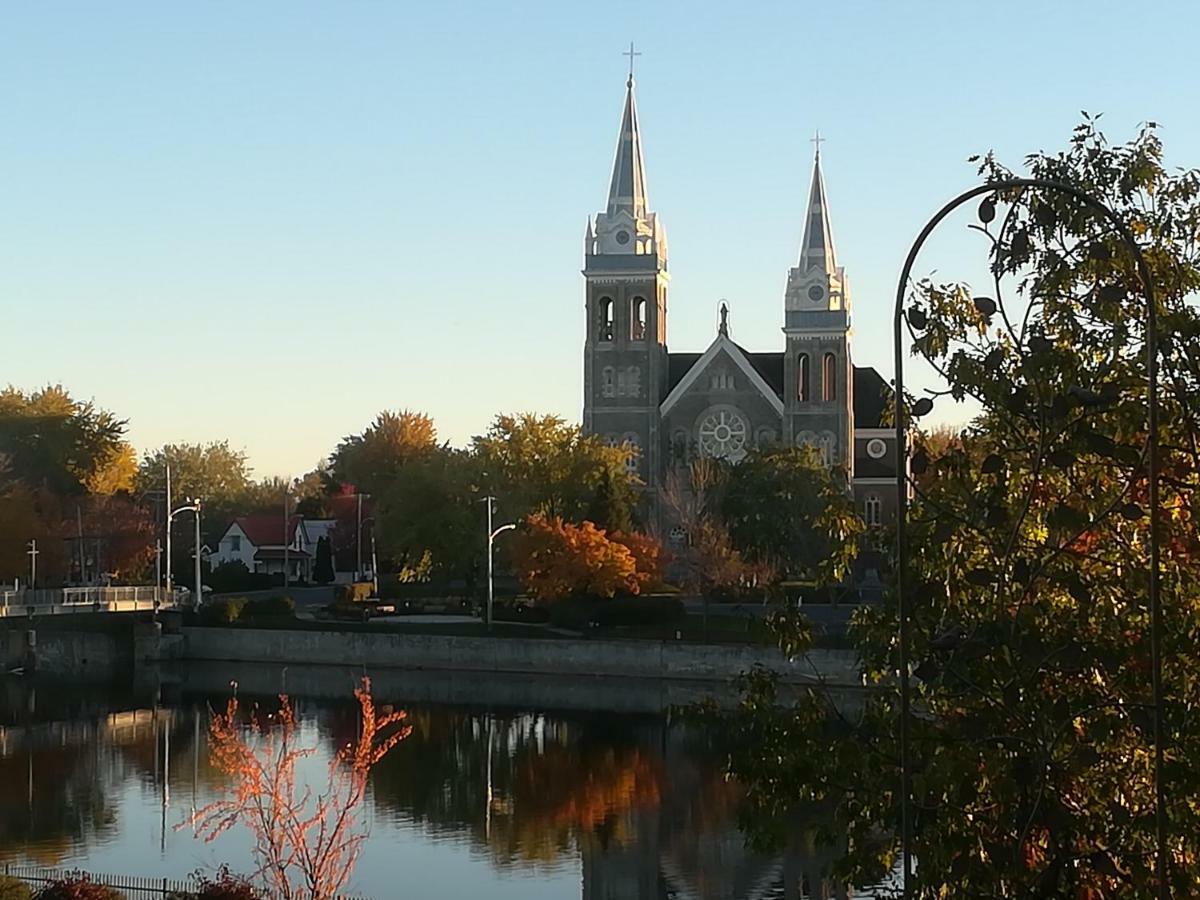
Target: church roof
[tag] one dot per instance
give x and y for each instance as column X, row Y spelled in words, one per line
column 627, row 191
column 816, row 249
column 872, row 394
column 871, row 398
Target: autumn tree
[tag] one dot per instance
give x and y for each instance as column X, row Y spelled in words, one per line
column 372, row 460
column 540, row 464
column 1032, row 744
column 306, row 841
column 556, row 559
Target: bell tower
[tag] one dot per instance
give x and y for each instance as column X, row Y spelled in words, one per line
column 818, row 372
column 625, row 274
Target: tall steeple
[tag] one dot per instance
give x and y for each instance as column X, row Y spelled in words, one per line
column 816, row 249
column 627, row 189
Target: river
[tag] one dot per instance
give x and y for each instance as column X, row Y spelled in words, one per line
column 507, row 788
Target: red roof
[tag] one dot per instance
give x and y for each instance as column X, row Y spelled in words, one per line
column 266, row 530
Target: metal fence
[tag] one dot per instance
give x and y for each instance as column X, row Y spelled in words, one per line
column 59, row 601
column 134, row 887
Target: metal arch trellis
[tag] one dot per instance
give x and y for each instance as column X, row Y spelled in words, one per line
column 902, row 486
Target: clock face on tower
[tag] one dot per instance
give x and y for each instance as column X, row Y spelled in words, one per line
column 622, row 237
column 816, row 293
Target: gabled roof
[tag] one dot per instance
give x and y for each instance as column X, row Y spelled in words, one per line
column 627, row 190
column 266, row 530
column 871, row 398
column 722, row 344
column 816, row 248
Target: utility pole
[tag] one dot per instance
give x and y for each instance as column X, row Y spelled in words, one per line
column 157, row 571
column 286, row 536
column 358, row 541
column 374, row 567
column 33, row 552
column 168, row 512
column 199, row 594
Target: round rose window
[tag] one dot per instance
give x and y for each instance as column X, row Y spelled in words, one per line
column 723, row 435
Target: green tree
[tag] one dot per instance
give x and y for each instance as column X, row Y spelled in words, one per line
column 1032, row 747
column 540, row 464
column 52, row 441
column 323, row 565
column 372, row 460
column 431, row 520
column 788, row 510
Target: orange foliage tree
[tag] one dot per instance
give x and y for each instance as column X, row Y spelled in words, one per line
column 556, row 559
column 305, row 844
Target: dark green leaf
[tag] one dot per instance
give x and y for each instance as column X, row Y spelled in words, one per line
column 922, row 407
column 985, row 305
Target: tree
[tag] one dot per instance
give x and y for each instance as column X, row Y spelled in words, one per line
column 323, row 565
column 555, row 560
column 1032, row 748
column 370, row 461
column 53, row 441
column 540, row 464
column 788, row 510
column 305, row 844
column 431, row 519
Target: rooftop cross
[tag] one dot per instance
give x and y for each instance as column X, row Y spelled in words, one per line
column 631, row 53
column 817, row 141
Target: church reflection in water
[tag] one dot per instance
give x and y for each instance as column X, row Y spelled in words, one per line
column 634, row 802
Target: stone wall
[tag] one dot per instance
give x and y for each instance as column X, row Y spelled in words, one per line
column 635, row 659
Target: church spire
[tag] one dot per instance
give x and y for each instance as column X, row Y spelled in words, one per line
column 816, row 249
column 627, row 191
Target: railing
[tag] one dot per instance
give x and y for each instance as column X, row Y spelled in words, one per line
column 47, row 602
column 132, row 886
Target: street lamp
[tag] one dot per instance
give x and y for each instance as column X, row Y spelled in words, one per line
column 32, row 553
column 492, row 532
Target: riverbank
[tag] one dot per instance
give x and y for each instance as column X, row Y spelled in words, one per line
column 670, row 660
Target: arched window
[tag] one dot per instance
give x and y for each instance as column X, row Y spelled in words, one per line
column 679, row 447
column 637, row 324
column 826, row 444
column 608, row 385
column 633, row 453
column 829, row 377
column 802, row 392
column 764, row 438
column 605, row 323
column 873, row 510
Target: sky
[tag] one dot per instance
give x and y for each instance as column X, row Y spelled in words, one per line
column 266, row 222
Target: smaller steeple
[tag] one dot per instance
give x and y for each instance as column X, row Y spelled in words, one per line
column 816, row 249
column 627, row 190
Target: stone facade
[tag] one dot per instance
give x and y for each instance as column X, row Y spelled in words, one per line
column 671, row 408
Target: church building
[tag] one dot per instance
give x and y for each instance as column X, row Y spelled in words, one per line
column 674, row 407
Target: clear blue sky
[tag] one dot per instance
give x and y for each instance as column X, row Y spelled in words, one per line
column 267, row 221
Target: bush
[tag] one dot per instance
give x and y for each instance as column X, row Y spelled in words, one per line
column 269, row 608
column 225, row 886
column 520, row 612
column 353, row 593
column 223, row 612
column 233, row 576
column 77, row 886
column 14, row 889
column 640, row 611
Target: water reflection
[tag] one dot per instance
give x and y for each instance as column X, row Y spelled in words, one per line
column 500, row 802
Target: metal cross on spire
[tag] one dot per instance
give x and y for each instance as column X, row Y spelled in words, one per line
column 817, row 142
column 631, row 53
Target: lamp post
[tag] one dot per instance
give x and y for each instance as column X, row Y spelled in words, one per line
column 358, row 539
column 492, row 533
column 194, row 507
column 32, row 553
column 287, row 537
column 904, row 590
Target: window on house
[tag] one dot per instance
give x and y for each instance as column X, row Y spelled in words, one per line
column 829, row 377
column 873, row 509
column 826, row 444
column 637, row 324
column 802, row 393
column 606, row 312
column 235, row 543
column 632, row 453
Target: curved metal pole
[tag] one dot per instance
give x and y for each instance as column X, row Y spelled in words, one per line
column 1152, row 475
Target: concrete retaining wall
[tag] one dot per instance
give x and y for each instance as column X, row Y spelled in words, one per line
column 74, row 654
column 636, row 659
